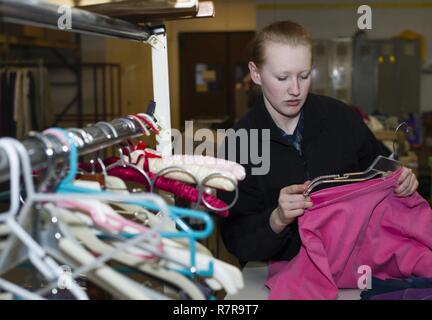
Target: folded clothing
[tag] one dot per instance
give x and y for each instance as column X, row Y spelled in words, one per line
column 383, row 287
column 407, row 294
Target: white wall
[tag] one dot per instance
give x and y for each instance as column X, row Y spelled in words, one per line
column 328, row 19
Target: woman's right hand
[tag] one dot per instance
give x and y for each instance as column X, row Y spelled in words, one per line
column 292, row 204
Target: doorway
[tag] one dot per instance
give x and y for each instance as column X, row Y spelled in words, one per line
column 213, row 67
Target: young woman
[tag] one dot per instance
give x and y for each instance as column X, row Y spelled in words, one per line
column 310, row 136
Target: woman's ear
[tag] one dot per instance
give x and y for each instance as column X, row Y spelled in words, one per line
column 254, row 72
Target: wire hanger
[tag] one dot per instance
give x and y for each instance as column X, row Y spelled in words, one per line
column 380, row 166
column 395, row 154
column 121, row 162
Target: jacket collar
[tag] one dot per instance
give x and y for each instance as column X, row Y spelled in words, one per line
column 315, row 120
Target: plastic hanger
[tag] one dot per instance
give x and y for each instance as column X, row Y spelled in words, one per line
column 72, row 149
column 18, row 291
column 121, row 163
column 66, row 186
column 149, row 120
column 37, row 255
column 227, row 275
column 117, row 284
column 33, row 197
column 87, row 237
column 176, row 244
column 109, row 220
column 124, row 164
column 127, row 287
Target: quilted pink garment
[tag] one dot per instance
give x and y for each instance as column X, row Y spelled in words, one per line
column 353, row 225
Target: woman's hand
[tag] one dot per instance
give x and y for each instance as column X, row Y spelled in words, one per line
column 292, row 204
column 407, row 183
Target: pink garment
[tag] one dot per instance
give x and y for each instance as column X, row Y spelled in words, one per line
column 350, row 226
column 178, row 188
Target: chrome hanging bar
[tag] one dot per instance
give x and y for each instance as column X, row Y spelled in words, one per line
column 89, row 139
column 44, row 14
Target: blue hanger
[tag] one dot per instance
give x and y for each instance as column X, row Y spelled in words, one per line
column 67, row 186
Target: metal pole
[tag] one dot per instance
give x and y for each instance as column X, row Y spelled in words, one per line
column 129, row 128
column 43, row 14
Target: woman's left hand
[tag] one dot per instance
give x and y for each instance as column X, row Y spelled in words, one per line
column 407, row 183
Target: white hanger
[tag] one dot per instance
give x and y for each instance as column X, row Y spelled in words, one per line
column 153, row 220
column 35, row 197
column 32, row 197
column 84, row 234
column 37, row 255
column 19, row 291
column 227, row 275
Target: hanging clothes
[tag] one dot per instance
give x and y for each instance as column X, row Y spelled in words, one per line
column 2, row 103
column 42, row 101
column 361, row 224
column 8, row 100
column 24, row 100
column 32, row 101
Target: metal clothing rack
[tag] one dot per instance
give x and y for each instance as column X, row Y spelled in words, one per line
column 99, row 136
column 106, row 82
column 44, row 14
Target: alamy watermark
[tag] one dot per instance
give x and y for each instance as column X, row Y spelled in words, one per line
column 365, row 280
column 65, row 279
column 64, row 22
column 250, row 146
column 365, row 20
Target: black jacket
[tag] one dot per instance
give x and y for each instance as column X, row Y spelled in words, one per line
column 335, row 140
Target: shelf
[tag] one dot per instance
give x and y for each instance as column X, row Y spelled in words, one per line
column 142, row 11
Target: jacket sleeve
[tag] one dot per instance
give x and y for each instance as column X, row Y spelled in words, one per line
column 246, row 233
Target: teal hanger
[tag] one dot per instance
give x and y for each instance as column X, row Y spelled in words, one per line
column 175, row 213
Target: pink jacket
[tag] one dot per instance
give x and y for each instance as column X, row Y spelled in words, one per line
column 350, row 226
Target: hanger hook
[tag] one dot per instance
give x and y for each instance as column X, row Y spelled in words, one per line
column 103, row 125
column 66, row 138
column 128, row 122
column 396, row 151
column 222, row 176
column 49, row 152
column 149, row 121
column 103, row 167
column 171, row 169
column 84, row 136
column 109, row 125
column 120, row 150
column 143, row 126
